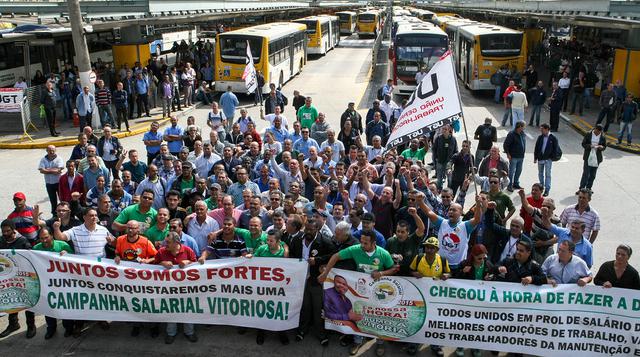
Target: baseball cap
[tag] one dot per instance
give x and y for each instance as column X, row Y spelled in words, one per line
column 216, row 186
column 166, row 157
column 526, row 241
column 187, row 164
column 432, row 241
column 185, row 149
column 19, row 195
column 368, row 217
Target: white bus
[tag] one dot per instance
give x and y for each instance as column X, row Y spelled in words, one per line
column 323, row 32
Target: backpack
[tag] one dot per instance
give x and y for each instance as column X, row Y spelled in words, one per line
column 379, row 94
column 421, row 256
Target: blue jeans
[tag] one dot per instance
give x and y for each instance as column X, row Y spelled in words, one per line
column 578, row 98
column 544, row 174
column 172, row 329
column 625, row 126
column 535, row 111
column 515, row 169
column 517, row 115
column 106, row 115
column 507, row 116
column 67, row 107
column 587, row 98
column 496, row 96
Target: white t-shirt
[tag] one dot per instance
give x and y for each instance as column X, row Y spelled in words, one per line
column 283, row 119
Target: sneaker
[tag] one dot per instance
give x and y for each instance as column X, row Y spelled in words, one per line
column 379, row 349
column 192, row 337
column 517, row 187
column 68, row 332
column 169, row 339
column 355, row 347
column 476, row 353
column 345, row 340
column 299, row 336
column 545, row 194
column 324, row 341
column 9, row 330
column 460, row 352
column 510, row 188
column 437, row 350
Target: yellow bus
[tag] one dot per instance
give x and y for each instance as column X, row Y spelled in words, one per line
column 424, row 15
column 347, row 22
column 323, row 32
column 368, row 23
column 481, row 49
column 278, row 50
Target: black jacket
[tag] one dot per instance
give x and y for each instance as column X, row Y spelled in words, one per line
column 516, row 271
column 116, row 146
column 538, row 95
column 321, row 249
column 549, row 150
column 471, row 275
column 586, row 145
column 267, row 104
column 229, row 168
column 500, row 233
column 515, row 144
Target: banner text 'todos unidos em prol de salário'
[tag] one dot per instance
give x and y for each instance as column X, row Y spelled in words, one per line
column 509, row 317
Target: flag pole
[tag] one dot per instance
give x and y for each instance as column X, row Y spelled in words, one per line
column 464, row 125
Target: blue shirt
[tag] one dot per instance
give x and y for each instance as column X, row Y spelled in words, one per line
column 279, row 135
column 153, row 149
column 190, row 242
column 174, row 146
column 229, row 102
column 302, row 146
column 584, row 249
column 294, row 137
column 142, row 86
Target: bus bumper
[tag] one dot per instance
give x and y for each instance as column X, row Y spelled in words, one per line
column 404, row 90
column 481, row 84
column 314, row 50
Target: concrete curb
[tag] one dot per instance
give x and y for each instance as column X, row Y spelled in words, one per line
column 583, row 127
column 140, row 128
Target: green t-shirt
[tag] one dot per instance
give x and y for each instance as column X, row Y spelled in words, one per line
column 251, row 244
column 58, row 246
column 417, row 155
column 138, row 172
column 365, row 263
column 479, row 272
column 264, row 251
column 503, row 203
column 408, row 249
column 154, row 234
column 187, row 185
column 211, row 204
column 132, row 213
column 307, row 116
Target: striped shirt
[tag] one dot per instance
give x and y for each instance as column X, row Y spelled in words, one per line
column 103, row 96
column 23, row 221
column 86, row 242
column 590, row 218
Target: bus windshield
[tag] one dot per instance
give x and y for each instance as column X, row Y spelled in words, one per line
column 233, row 49
column 311, row 25
column 344, row 17
column 366, row 17
column 501, row 45
column 413, row 52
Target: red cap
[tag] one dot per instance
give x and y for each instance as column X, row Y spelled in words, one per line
column 19, row 195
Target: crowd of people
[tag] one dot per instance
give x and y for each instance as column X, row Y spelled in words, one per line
column 130, row 91
column 300, row 191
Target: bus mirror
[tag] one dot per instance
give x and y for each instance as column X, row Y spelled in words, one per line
column 390, row 53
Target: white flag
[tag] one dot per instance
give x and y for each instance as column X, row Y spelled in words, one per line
column 434, row 103
column 249, row 74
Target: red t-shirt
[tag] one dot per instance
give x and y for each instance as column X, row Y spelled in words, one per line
column 185, row 253
column 528, row 220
